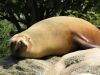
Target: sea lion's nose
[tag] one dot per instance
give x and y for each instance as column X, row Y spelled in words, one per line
column 12, row 45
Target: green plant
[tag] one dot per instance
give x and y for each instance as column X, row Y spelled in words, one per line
column 24, row 13
column 5, row 29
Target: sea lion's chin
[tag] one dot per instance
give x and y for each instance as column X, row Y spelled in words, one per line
column 18, row 53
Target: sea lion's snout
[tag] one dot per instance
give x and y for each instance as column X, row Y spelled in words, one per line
column 20, row 44
column 17, row 47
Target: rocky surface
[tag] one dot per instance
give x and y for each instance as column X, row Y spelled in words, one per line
column 10, row 66
column 86, row 62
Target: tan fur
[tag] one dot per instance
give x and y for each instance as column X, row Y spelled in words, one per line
column 53, row 36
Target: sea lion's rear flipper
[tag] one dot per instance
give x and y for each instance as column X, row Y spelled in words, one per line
column 82, row 41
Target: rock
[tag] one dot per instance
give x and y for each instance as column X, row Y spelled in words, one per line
column 85, row 62
column 10, row 66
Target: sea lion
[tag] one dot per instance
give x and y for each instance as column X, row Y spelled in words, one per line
column 53, row 36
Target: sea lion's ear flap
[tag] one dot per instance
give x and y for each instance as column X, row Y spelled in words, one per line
column 26, row 37
column 29, row 38
column 82, row 40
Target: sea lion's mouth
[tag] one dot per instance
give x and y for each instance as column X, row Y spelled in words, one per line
column 17, row 57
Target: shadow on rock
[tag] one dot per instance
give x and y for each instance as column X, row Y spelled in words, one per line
column 8, row 61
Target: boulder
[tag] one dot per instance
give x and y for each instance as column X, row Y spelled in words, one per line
column 11, row 66
column 84, row 62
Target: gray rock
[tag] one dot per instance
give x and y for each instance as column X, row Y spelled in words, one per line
column 86, row 62
column 10, row 66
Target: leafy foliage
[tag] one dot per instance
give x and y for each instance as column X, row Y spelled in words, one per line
column 5, row 29
column 24, row 13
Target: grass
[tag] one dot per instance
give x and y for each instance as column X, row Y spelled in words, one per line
column 5, row 28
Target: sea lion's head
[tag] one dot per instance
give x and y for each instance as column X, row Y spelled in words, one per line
column 20, row 45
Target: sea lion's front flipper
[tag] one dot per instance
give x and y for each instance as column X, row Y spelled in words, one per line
column 84, row 42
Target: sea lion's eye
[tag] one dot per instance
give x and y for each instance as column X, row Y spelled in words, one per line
column 22, row 44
